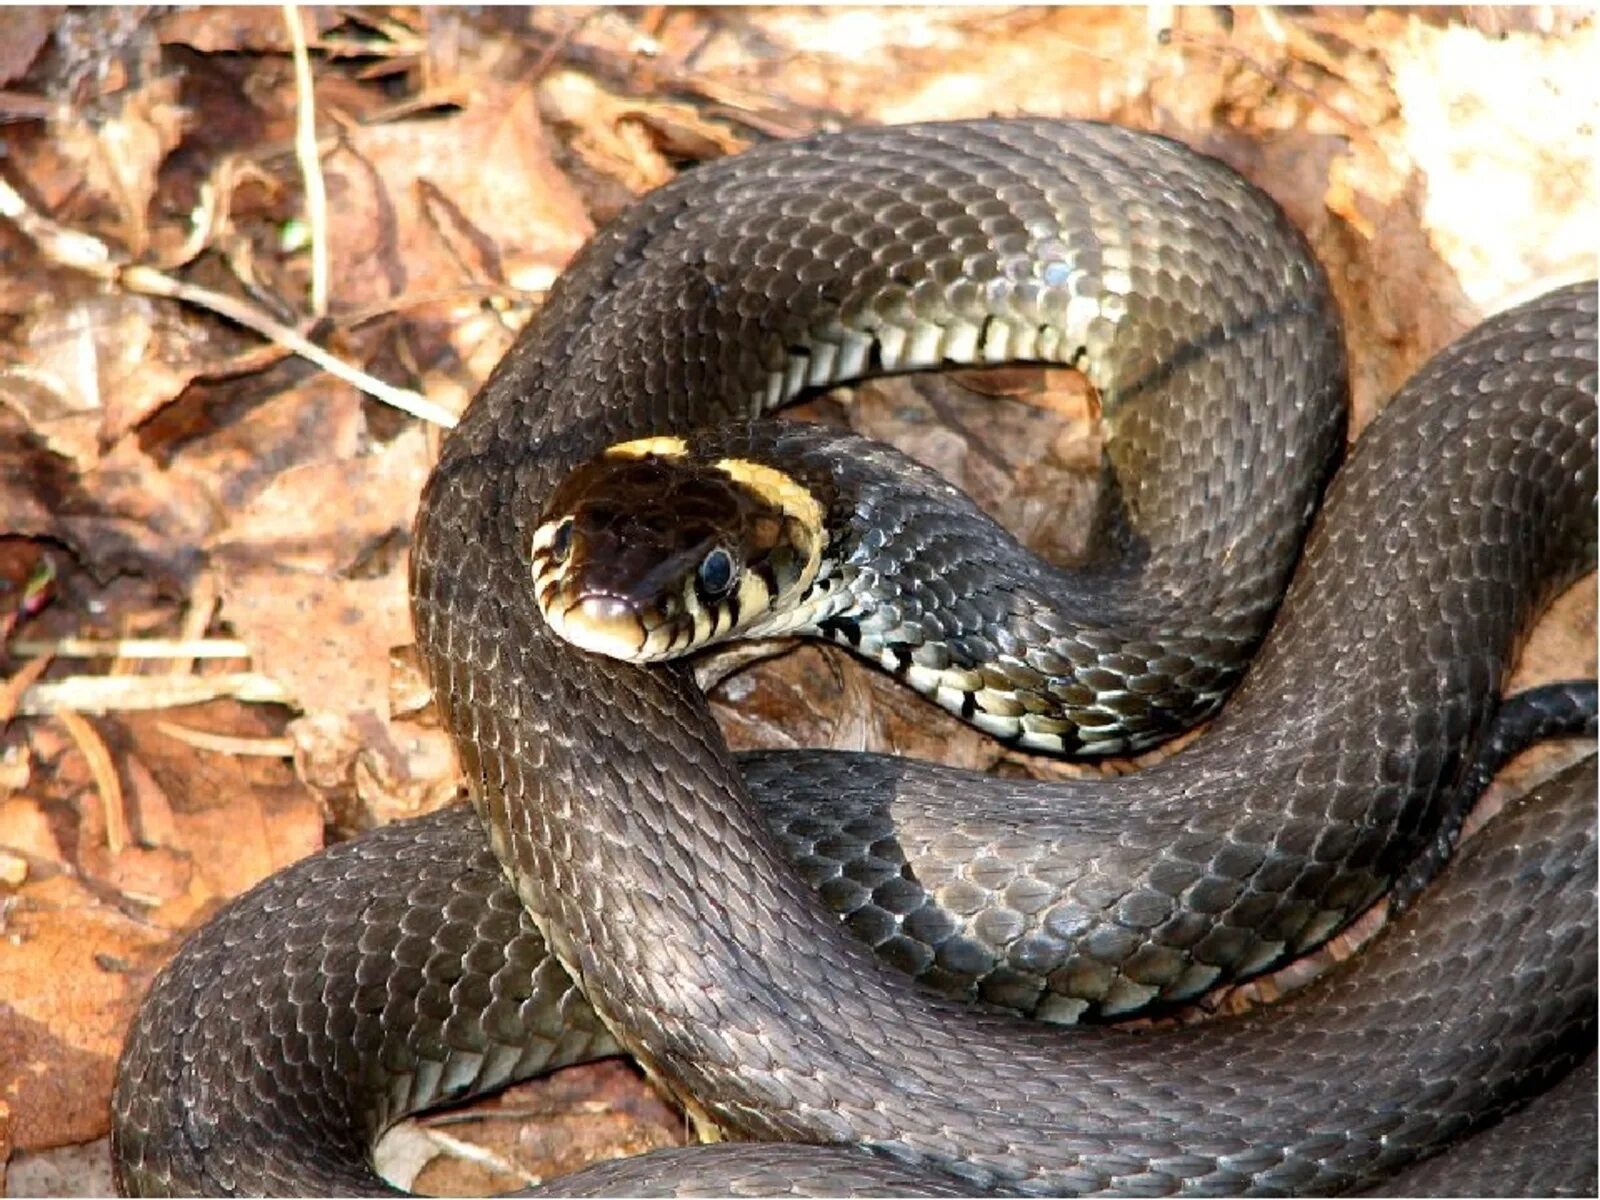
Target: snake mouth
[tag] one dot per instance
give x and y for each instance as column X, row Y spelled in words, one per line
column 603, row 623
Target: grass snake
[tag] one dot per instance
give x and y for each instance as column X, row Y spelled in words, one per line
column 633, row 895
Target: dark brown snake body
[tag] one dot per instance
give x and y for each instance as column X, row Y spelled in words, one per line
column 319, row 1009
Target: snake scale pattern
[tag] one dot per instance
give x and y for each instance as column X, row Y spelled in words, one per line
column 632, row 894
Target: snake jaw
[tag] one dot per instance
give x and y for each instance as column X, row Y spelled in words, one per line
column 602, row 624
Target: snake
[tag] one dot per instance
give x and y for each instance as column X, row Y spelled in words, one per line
column 623, row 883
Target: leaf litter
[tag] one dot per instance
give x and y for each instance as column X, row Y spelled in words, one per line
column 203, row 534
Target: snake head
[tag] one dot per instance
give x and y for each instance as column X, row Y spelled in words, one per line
column 649, row 551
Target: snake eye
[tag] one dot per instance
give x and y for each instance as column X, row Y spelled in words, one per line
column 561, row 542
column 715, row 575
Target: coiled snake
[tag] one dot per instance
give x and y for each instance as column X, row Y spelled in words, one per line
column 400, row 969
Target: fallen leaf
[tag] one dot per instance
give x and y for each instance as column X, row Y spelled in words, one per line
column 27, row 29
column 409, row 212
column 318, row 615
column 237, row 29
column 121, row 151
column 100, row 365
column 65, row 976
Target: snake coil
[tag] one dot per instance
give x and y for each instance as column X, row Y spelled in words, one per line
column 314, row 1012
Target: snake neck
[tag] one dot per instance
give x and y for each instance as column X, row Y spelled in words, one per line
column 914, row 577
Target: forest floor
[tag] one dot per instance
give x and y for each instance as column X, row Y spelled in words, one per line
column 206, row 668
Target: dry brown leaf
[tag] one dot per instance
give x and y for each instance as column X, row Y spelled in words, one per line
column 16, row 684
column 371, row 771
column 108, row 788
column 410, row 771
column 297, row 584
column 243, row 443
column 99, row 365
column 1502, row 130
column 1034, row 466
column 237, row 28
column 235, row 820
column 33, row 476
column 13, row 869
column 626, row 140
column 121, row 152
column 581, row 1115
column 236, row 841
column 66, row 975
column 23, row 32
column 138, row 518
column 411, row 212
column 25, row 830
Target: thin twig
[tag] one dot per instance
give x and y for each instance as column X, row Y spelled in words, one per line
column 164, row 648
column 106, row 781
column 13, row 689
column 80, row 251
column 154, row 283
column 137, row 693
column 222, row 743
column 66, row 247
column 202, row 604
column 467, row 1151
column 305, row 142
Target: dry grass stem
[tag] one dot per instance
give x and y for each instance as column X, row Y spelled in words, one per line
column 99, row 694
column 107, row 784
column 80, row 251
column 16, row 687
column 162, row 648
column 305, row 142
column 203, row 599
column 222, row 743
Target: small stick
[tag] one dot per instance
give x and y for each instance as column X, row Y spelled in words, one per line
column 305, row 142
column 93, row 748
column 80, row 251
column 223, row 743
column 163, row 648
